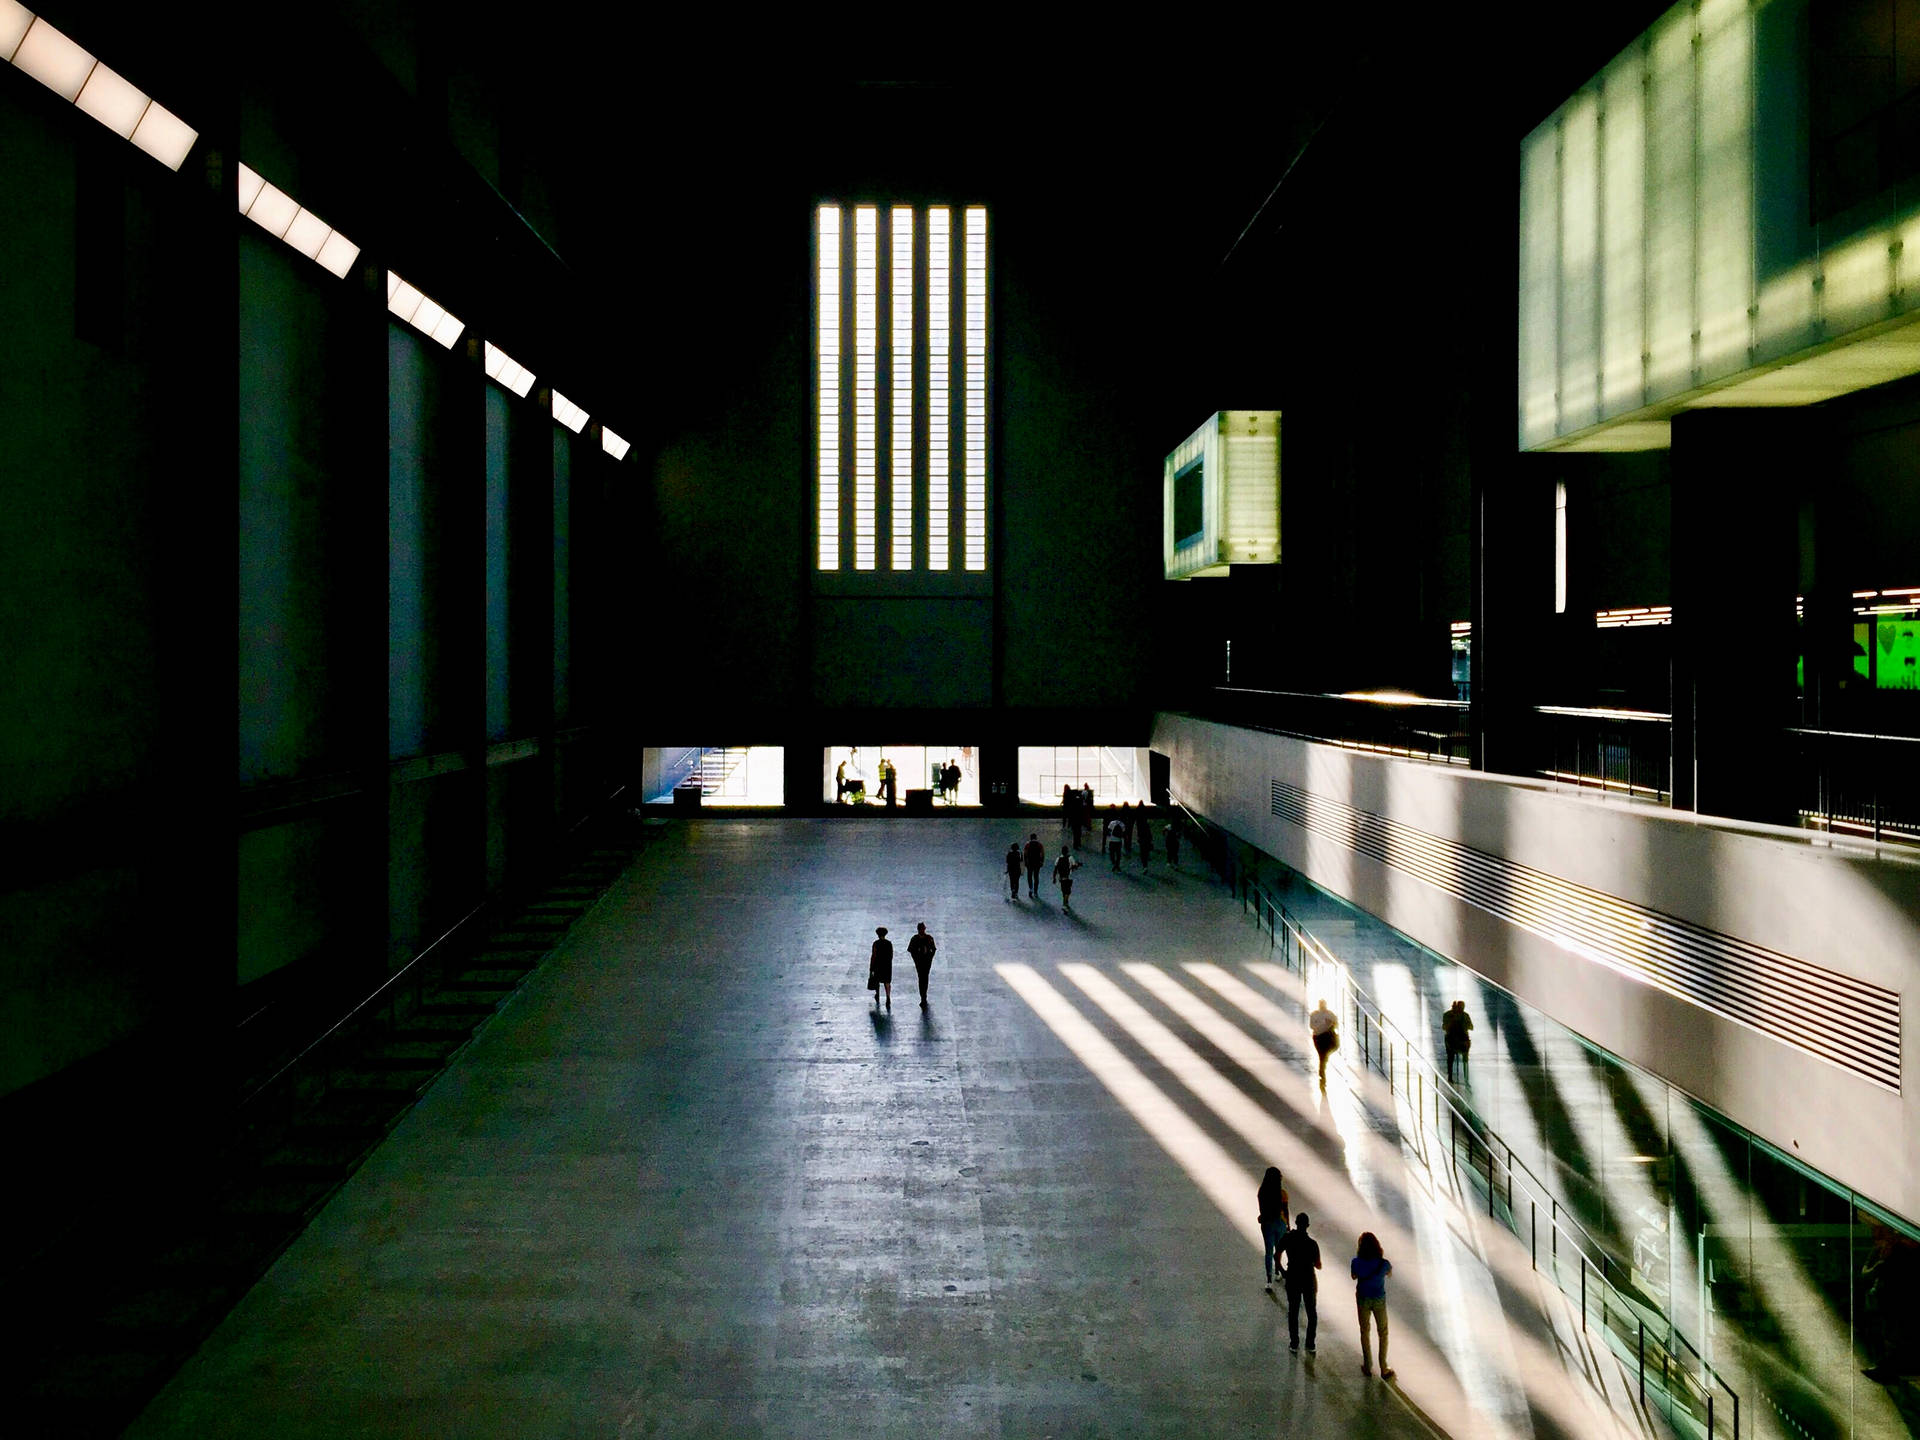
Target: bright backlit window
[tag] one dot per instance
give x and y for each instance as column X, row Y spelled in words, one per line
column 866, row 345
column 976, row 299
column 827, row 330
column 901, row 475
column 939, row 381
column 904, row 296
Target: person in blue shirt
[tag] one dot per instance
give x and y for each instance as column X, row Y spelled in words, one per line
column 1370, row 1269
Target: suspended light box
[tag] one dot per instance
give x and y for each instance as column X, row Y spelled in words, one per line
column 1222, row 501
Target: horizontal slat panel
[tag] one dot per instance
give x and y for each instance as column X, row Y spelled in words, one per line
column 1762, row 989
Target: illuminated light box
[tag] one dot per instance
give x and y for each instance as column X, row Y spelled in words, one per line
column 164, row 135
column 426, row 316
column 613, row 444
column 1222, row 495
column 1661, row 264
column 507, row 370
column 54, row 60
column 568, row 413
column 108, row 98
column 15, row 19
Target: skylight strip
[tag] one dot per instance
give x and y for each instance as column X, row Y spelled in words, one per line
column 429, row 317
column 901, row 476
column 939, row 381
column 613, row 444
column 72, row 73
column 827, row 346
column 568, row 413
column 507, row 370
column 866, row 345
column 976, row 321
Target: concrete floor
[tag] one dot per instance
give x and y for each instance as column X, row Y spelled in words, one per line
column 689, row 1183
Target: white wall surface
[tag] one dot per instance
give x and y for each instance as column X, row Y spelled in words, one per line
column 1841, row 908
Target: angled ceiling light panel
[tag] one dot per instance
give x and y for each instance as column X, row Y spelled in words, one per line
column 164, row 135
column 15, row 20
column 112, row 101
column 109, row 97
column 337, row 254
column 613, row 444
column 250, row 183
column 568, row 413
column 507, row 370
column 54, row 60
column 273, row 210
column 429, row 317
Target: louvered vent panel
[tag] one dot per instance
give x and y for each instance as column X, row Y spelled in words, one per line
column 1765, row 990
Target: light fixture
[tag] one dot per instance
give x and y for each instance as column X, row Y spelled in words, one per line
column 429, row 317
column 109, row 97
column 15, row 21
column 507, row 370
column 278, row 213
column 613, row 444
column 112, row 101
column 54, row 60
column 568, row 413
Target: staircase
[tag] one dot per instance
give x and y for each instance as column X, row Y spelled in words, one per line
column 118, row 1303
column 723, row 772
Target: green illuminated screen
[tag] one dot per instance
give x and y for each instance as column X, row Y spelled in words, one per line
column 1896, row 659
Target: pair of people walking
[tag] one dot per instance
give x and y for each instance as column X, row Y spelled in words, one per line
column 1294, row 1256
column 1032, row 859
column 880, row 963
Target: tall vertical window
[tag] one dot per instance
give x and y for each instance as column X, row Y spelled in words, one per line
column 827, row 328
column 939, row 381
column 866, row 357
column 976, row 310
column 1560, row 547
column 900, row 474
column 908, row 299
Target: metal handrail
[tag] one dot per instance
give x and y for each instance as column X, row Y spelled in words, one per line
column 387, row 987
column 1600, row 712
column 1418, row 1076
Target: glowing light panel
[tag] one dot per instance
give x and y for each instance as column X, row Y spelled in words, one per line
column 164, row 135
column 568, row 413
column 54, row 60
column 827, row 379
column 976, row 315
column 15, row 21
column 507, row 370
column 866, row 343
column 939, row 382
column 613, row 444
column 900, row 476
column 427, row 316
column 108, row 98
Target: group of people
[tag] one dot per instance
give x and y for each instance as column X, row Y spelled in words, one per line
column 1029, row 860
column 1292, row 1256
column 946, row 781
column 1456, row 1032
column 880, row 964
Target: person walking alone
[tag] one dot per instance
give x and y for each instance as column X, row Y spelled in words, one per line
column 1126, row 826
column 1063, row 869
column 1301, row 1252
column 1013, row 871
column 1370, row 1269
column 921, row 948
column 880, row 967
column 1456, row 1027
column 1036, row 858
column 1325, row 1026
column 1273, row 1219
column 1173, row 843
column 1116, row 840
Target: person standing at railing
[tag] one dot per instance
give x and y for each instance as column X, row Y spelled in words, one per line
column 1273, row 1219
column 1325, row 1027
column 1456, row 1027
column 1370, row 1269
